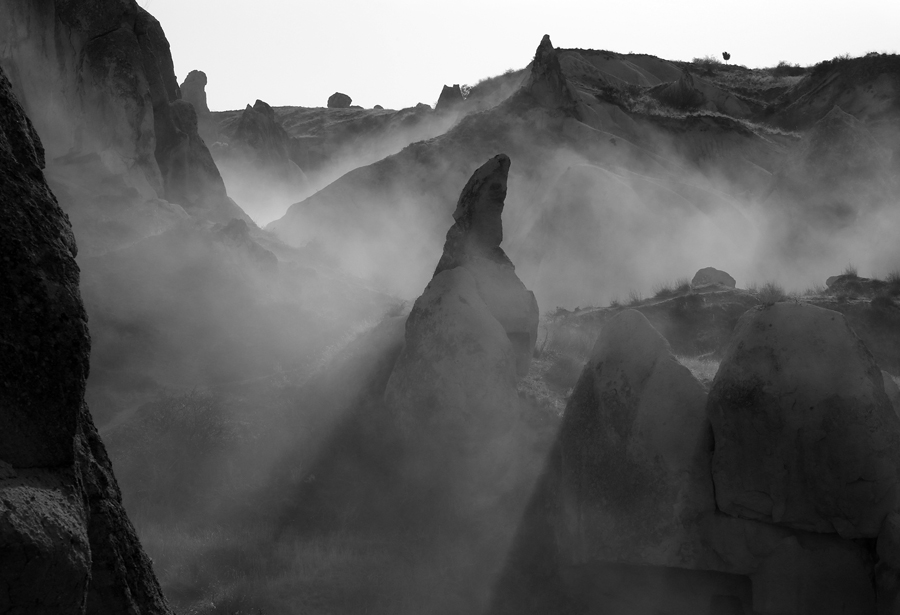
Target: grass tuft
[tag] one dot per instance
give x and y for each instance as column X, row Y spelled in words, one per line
column 851, row 270
column 770, row 292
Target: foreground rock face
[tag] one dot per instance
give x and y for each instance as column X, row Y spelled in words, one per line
column 805, row 435
column 66, row 544
column 635, row 453
column 453, row 390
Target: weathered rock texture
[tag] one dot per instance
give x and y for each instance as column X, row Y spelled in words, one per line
column 452, row 392
column 474, row 241
column 66, row 544
column 805, row 436
column 635, row 455
column 98, row 81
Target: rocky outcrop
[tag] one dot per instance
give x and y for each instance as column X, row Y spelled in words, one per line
column 339, row 100
column 547, row 83
column 805, row 436
column 67, row 544
column 256, row 162
column 193, row 90
column 692, row 93
column 635, row 442
column 473, row 242
column 98, row 81
column 452, row 393
column 711, row 276
column 450, row 98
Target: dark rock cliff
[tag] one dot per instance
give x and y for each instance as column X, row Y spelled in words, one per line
column 66, row 544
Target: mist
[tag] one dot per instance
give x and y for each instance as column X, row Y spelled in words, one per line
column 308, row 412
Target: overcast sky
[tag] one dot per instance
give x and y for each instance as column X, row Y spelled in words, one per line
column 397, row 53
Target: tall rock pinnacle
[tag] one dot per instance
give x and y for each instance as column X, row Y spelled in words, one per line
column 478, row 229
column 547, row 83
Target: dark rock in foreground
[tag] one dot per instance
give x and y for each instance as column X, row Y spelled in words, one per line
column 805, row 435
column 66, row 544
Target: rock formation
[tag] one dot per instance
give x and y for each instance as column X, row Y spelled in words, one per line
column 635, row 453
column 339, row 101
column 452, row 392
column 547, row 84
column 67, row 544
column 193, row 90
column 474, row 241
column 450, row 98
column 710, row 275
column 256, row 161
column 98, row 81
column 805, row 435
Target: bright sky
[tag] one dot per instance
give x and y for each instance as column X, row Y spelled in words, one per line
column 397, row 53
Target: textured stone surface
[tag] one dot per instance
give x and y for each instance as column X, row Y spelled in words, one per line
column 98, row 81
column 474, row 241
column 452, row 393
column 710, row 275
column 804, row 433
column 65, row 541
column 635, row 453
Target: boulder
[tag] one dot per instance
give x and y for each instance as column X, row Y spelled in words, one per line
column 339, row 101
column 635, row 453
column 66, row 544
column 450, row 98
column 805, row 435
column 709, row 275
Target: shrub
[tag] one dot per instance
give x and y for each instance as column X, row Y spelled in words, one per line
column 785, row 69
column 851, row 270
column 634, row 297
column 615, row 303
column 771, row 292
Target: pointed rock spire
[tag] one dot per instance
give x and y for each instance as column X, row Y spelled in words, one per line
column 479, row 228
column 547, row 82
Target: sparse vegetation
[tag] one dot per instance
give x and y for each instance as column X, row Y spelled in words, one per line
column 770, row 292
column 851, row 270
column 634, row 297
column 786, row 69
column 671, row 289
